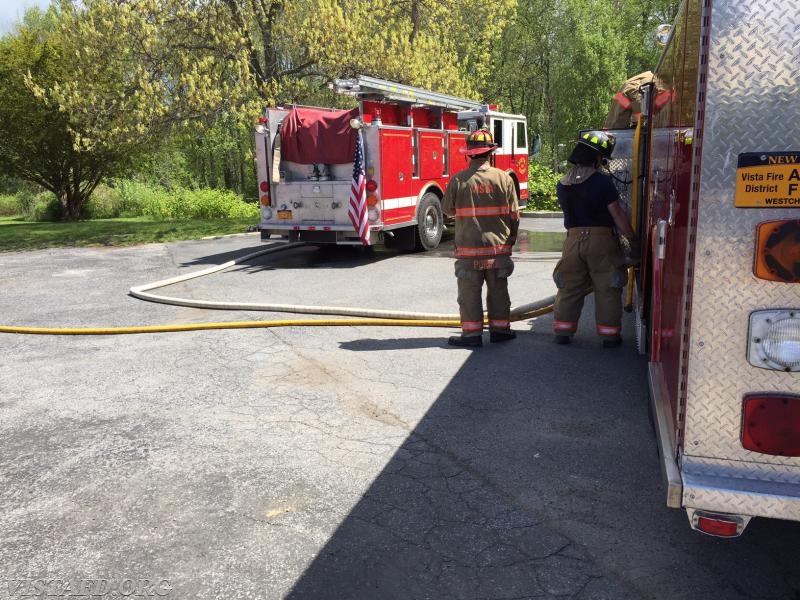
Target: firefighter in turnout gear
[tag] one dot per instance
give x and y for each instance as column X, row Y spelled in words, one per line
column 626, row 105
column 591, row 255
column 483, row 201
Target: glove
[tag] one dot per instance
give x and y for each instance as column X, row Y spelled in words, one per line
column 631, row 248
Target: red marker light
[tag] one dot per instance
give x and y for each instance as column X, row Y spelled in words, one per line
column 718, row 526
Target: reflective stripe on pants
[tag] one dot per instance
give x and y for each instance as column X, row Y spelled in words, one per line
column 591, row 258
column 470, row 295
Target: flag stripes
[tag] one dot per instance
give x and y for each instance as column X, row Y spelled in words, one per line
column 358, row 195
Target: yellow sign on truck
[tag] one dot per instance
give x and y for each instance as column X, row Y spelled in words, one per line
column 768, row 180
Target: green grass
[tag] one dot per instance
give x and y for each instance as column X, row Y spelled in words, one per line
column 17, row 234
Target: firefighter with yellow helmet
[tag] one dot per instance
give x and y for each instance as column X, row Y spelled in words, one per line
column 592, row 257
column 483, row 201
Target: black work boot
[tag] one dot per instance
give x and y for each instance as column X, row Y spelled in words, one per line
column 615, row 342
column 501, row 336
column 472, row 341
column 562, row 339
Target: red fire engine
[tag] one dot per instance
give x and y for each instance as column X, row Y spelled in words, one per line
column 411, row 140
column 717, row 188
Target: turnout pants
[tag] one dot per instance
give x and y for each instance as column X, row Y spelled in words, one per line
column 471, row 274
column 591, row 258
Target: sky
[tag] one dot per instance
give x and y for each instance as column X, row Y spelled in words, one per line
column 11, row 11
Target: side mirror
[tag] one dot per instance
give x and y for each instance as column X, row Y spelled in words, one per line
column 536, row 145
column 663, row 32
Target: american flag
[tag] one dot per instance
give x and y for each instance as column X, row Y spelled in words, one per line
column 358, row 195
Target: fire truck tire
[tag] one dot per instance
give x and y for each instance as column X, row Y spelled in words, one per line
column 430, row 222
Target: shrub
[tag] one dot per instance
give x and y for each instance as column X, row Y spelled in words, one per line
column 9, row 206
column 104, row 203
column 21, row 203
column 182, row 203
column 128, row 198
column 46, row 207
column 542, row 182
column 135, row 197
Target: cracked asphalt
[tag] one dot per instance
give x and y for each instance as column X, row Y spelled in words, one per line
column 340, row 462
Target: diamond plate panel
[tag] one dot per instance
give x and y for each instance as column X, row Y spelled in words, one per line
column 753, row 85
column 732, row 488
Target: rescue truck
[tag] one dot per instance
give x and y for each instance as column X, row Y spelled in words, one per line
column 410, row 139
column 715, row 199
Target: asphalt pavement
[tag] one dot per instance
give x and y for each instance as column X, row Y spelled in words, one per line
column 344, row 462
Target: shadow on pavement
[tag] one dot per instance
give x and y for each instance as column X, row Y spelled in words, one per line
column 535, row 475
column 465, row 508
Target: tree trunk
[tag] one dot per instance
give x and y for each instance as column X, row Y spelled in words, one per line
column 71, row 201
column 416, row 20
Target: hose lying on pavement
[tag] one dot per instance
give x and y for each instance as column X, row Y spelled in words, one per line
column 367, row 317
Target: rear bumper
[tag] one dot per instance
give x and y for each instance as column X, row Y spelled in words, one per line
column 320, row 234
column 724, row 487
column 716, row 485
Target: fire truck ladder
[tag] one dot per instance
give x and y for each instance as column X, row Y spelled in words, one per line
column 370, row 87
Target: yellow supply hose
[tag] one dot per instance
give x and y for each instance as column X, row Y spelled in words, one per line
column 227, row 325
column 368, row 317
column 249, row 325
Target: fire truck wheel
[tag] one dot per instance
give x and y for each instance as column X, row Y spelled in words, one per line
column 430, row 222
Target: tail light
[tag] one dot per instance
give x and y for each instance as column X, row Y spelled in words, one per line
column 771, row 424
column 373, row 213
column 264, row 187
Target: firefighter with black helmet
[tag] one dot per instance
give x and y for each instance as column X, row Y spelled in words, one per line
column 483, row 201
column 591, row 256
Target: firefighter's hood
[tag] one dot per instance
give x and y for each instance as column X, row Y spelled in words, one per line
column 577, row 174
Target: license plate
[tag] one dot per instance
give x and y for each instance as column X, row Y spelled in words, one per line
column 285, row 214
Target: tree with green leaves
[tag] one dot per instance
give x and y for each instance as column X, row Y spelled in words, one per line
column 36, row 144
column 115, row 79
column 559, row 62
column 105, row 83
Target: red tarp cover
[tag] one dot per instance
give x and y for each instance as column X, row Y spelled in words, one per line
column 310, row 135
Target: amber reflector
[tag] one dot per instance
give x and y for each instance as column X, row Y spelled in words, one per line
column 771, row 424
column 777, row 255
